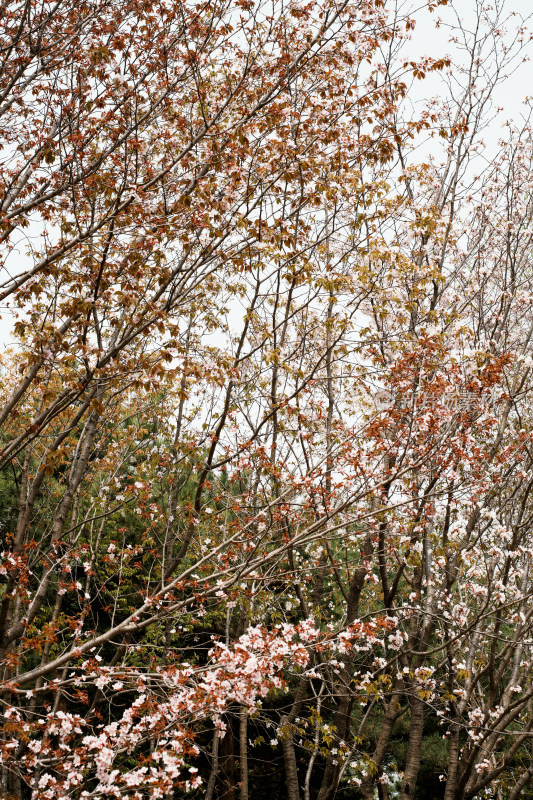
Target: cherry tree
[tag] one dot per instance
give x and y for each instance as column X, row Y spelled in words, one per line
column 266, row 429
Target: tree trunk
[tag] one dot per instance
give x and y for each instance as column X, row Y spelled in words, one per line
column 392, row 712
column 415, row 746
column 453, row 764
column 227, row 765
column 214, row 767
column 243, row 751
column 291, row 768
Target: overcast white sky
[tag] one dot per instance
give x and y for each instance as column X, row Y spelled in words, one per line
column 428, row 40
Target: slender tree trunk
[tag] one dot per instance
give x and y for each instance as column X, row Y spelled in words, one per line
column 307, row 786
column 227, row 764
column 332, row 774
column 214, row 767
column 289, row 755
column 291, row 768
column 243, row 751
column 414, row 750
column 392, row 712
column 453, row 763
column 516, row 791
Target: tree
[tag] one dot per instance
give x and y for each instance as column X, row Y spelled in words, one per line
column 267, row 426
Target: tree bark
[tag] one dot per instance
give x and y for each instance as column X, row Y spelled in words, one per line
column 412, row 764
column 227, row 765
column 243, row 751
column 214, row 767
column 453, row 764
